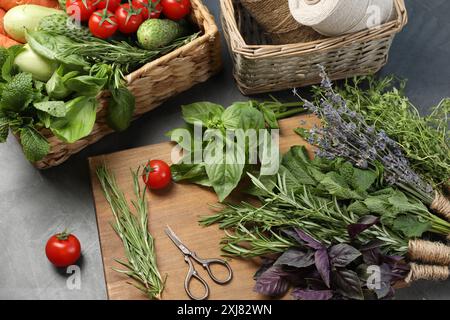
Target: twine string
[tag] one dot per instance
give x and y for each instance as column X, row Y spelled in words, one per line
column 441, row 205
column 435, row 253
column 426, row 272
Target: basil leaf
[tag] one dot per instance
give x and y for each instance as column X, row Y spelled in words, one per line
column 195, row 173
column 224, row 170
column 343, row 254
column 79, row 120
column 121, row 109
column 348, row 284
column 35, row 146
column 56, row 87
column 296, row 258
column 87, row 85
column 242, row 115
column 54, row 108
column 269, row 117
column 201, row 112
column 272, row 283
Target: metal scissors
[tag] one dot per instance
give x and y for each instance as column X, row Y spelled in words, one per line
column 206, row 264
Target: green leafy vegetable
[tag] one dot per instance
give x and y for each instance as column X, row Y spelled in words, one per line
column 54, row 108
column 86, row 85
column 56, row 87
column 226, row 142
column 35, row 146
column 79, row 120
column 204, row 112
column 17, row 93
column 120, row 109
column 410, row 226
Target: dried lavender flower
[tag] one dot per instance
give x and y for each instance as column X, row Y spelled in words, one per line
column 345, row 134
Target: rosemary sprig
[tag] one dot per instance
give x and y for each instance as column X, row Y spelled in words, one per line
column 132, row 229
column 256, row 230
column 121, row 53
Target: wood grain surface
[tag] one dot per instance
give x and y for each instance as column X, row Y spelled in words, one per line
column 180, row 207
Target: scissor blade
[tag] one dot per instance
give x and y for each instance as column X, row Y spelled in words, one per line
column 177, row 241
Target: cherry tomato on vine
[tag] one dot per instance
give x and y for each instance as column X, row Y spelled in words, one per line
column 80, row 10
column 110, row 5
column 157, row 175
column 176, row 9
column 129, row 18
column 63, row 249
column 103, row 24
column 150, row 9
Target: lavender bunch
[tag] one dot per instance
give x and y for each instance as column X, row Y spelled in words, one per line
column 345, row 134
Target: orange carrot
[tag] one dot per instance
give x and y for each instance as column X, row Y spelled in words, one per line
column 7, row 42
column 8, row 4
column 2, row 13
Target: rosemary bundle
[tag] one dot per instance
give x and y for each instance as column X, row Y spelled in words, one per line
column 132, row 229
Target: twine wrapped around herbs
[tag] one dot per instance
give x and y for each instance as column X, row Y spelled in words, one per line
column 276, row 19
column 441, row 205
column 435, row 253
column 427, row 272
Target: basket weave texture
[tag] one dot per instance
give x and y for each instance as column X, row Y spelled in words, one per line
column 260, row 66
column 154, row 83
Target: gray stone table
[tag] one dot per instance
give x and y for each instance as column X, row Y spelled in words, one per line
column 34, row 204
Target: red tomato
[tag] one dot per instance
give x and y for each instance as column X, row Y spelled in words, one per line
column 157, row 175
column 103, row 24
column 80, row 10
column 129, row 18
column 63, row 249
column 176, row 9
column 112, row 4
column 154, row 7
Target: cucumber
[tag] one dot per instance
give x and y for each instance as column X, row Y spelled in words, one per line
column 157, row 33
column 62, row 25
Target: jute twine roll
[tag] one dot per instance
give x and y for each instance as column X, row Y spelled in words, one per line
column 425, row 272
column 275, row 18
column 441, row 205
column 435, row 253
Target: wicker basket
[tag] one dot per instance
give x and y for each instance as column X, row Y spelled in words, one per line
column 154, row 83
column 261, row 67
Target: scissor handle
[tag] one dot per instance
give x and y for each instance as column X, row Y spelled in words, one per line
column 192, row 273
column 206, row 263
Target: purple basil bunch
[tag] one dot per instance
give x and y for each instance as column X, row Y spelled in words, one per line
column 318, row 272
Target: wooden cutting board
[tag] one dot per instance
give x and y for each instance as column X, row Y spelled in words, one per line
column 180, row 207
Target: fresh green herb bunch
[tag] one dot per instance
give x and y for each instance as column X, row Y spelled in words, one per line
column 133, row 231
column 346, row 134
column 425, row 140
column 223, row 172
column 330, row 200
